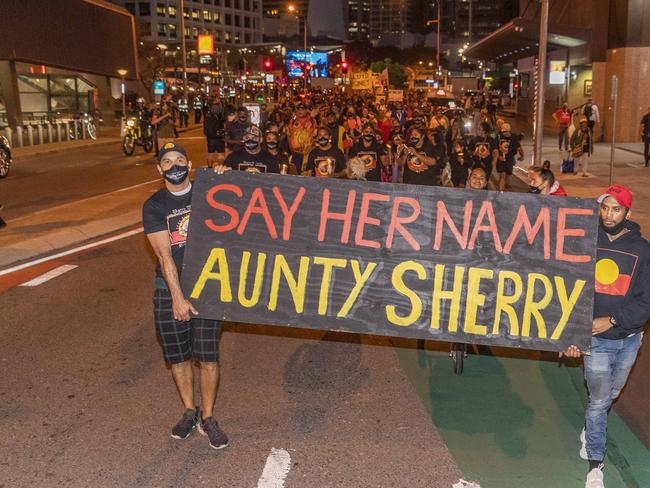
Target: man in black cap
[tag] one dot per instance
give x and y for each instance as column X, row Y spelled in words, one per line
column 250, row 157
column 183, row 338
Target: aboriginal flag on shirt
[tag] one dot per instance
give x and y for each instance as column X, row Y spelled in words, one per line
column 614, row 271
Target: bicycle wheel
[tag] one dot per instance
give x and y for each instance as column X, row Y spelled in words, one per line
column 458, row 352
column 92, row 130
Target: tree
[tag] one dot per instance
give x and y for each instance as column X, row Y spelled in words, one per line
column 152, row 66
column 396, row 74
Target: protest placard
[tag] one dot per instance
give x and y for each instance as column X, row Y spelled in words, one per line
column 410, row 261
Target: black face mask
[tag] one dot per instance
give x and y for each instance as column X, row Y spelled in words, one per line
column 322, row 141
column 616, row 229
column 251, row 144
column 534, row 189
column 272, row 144
column 177, row 174
column 368, row 137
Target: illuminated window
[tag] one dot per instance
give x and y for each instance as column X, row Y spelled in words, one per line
column 171, row 11
column 161, row 9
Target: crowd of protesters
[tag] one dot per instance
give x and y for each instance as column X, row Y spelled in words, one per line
column 413, row 141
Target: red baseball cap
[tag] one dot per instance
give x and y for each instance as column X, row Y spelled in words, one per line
column 619, row 193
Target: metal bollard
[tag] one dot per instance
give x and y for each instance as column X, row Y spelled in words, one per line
column 19, row 136
column 67, row 131
column 39, row 129
column 84, row 129
column 49, row 133
column 30, row 135
column 9, row 135
column 58, row 132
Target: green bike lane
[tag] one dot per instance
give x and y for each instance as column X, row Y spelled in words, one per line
column 512, row 419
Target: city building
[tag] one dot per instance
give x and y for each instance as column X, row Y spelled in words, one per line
column 230, row 21
column 589, row 42
column 279, row 10
column 389, row 17
column 62, row 58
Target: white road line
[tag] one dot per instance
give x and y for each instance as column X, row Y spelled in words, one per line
column 39, row 280
column 71, row 251
column 275, row 470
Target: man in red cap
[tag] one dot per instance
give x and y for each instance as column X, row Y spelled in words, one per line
column 621, row 308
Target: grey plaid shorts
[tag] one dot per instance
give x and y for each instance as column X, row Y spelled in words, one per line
column 182, row 341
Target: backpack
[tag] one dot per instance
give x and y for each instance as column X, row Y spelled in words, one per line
column 588, row 111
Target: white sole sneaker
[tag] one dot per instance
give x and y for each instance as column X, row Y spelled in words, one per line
column 595, row 478
column 583, row 445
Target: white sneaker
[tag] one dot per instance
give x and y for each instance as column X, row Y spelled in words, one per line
column 583, row 445
column 595, row 478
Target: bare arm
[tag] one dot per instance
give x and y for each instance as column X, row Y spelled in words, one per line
column 180, row 305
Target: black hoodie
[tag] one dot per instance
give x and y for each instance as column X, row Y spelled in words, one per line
column 623, row 282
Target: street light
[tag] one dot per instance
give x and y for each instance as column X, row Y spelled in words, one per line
column 293, row 10
column 123, row 72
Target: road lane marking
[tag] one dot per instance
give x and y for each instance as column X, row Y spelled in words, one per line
column 71, row 251
column 39, row 280
column 275, row 470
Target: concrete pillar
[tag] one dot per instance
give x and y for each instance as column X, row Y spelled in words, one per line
column 9, row 93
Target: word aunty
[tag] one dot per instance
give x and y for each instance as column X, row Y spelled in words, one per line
column 503, row 269
column 464, row 297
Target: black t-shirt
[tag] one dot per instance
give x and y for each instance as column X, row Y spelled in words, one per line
column 318, row 158
column 279, row 159
column 164, row 211
column 371, row 155
column 418, row 173
column 460, row 172
column 645, row 122
column 262, row 162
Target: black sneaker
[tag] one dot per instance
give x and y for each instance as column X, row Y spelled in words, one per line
column 218, row 438
column 186, row 424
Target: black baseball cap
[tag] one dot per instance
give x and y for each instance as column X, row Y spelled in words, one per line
column 169, row 147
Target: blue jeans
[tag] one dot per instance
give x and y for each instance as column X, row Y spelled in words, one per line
column 606, row 372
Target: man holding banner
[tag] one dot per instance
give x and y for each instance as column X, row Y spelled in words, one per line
column 621, row 308
column 165, row 216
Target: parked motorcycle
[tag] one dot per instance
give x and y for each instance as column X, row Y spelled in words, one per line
column 5, row 157
column 135, row 135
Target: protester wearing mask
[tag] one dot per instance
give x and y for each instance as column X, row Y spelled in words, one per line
column 421, row 160
column 250, row 156
column 325, row 160
column 183, row 337
column 562, row 117
column 371, row 152
column 343, row 142
column 621, row 308
column 542, row 182
column 272, row 147
column 235, row 130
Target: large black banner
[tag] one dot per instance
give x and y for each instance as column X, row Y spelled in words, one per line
column 411, row 261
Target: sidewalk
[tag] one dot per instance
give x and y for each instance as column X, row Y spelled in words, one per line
column 72, row 223
column 107, row 135
column 629, row 171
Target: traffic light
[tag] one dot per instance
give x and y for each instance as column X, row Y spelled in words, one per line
column 267, row 65
column 344, row 67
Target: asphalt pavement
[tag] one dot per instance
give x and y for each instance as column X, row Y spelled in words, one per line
column 87, row 400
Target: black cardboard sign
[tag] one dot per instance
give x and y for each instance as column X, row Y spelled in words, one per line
column 434, row 263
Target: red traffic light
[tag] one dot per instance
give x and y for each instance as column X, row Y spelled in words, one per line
column 267, row 64
column 344, row 67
